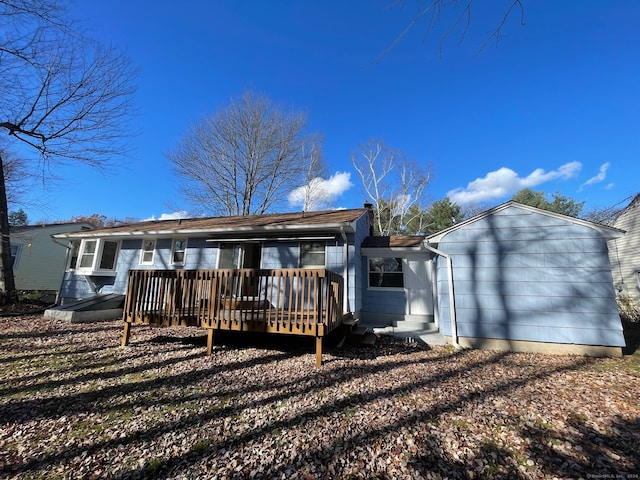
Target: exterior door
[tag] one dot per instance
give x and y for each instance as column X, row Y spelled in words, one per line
column 241, row 255
column 417, row 283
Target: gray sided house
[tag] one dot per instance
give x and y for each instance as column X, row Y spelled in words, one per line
column 38, row 259
column 528, row 279
column 99, row 261
column 625, row 255
column 514, row 277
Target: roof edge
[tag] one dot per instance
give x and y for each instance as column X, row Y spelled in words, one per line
column 606, row 231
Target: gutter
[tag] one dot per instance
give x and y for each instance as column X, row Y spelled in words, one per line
column 271, row 229
column 452, row 301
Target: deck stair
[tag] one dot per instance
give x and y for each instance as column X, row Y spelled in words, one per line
column 414, row 330
column 356, row 334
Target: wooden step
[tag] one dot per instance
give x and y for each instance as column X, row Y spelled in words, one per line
column 351, row 322
column 358, row 331
column 362, row 336
column 369, row 339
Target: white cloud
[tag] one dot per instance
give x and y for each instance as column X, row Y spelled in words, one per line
column 168, row 216
column 321, row 193
column 600, row 177
column 505, row 182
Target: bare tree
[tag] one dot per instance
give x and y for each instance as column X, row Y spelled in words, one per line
column 64, row 96
column 392, row 182
column 17, row 177
column 313, row 192
column 458, row 14
column 245, row 158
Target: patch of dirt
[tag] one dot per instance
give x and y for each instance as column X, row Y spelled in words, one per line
column 23, row 308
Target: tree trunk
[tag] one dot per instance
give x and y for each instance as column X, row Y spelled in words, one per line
column 7, row 282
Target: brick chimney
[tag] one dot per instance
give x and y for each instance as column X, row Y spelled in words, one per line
column 369, row 206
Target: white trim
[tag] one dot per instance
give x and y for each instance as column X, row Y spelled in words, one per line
column 315, row 265
column 269, row 239
column 143, row 251
column 314, row 228
column 173, row 250
column 16, row 258
column 606, row 231
column 96, row 258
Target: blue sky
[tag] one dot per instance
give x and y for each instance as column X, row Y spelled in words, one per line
column 555, row 106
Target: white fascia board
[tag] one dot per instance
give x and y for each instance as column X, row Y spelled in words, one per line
column 249, row 231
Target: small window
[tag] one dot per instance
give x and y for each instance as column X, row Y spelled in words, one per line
column 73, row 254
column 15, row 254
column 385, row 272
column 312, row 254
column 179, row 250
column 109, row 254
column 148, row 249
column 88, row 254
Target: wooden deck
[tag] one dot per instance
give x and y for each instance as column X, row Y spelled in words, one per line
column 304, row 302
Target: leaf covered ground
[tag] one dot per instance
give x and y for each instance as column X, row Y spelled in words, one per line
column 74, row 404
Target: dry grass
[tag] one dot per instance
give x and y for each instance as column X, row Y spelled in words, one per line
column 73, row 404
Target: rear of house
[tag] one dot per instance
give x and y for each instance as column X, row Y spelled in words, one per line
column 292, row 274
column 99, row 261
column 514, row 277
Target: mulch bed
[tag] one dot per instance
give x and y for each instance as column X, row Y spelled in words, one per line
column 73, row 404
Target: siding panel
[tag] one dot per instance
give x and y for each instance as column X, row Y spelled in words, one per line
column 521, row 275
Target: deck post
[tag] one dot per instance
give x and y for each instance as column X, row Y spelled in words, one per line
column 125, row 334
column 210, row 339
column 318, row 351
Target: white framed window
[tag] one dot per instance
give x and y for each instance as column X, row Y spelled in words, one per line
column 94, row 256
column 312, row 254
column 74, row 249
column 15, row 254
column 230, row 255
column 179, row 251
column 147, row 252
column 385, row 272
column 108, row 255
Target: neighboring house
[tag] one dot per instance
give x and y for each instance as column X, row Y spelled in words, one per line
column 624, row 253
column 514, row 277
column 38, row 259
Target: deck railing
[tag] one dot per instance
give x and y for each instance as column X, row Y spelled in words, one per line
column 295, row 301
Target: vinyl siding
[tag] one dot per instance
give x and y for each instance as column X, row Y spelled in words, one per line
column 625, row 253
column 41, row 260
column 203, row 254
column 521, row 275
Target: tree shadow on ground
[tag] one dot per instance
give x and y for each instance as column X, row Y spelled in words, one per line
column 226, row 404
column 581, row 448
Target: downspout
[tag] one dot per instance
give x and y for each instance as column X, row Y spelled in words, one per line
column 345, row 263
column 452, row 302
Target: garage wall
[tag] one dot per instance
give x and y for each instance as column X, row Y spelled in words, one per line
column 522, row 275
